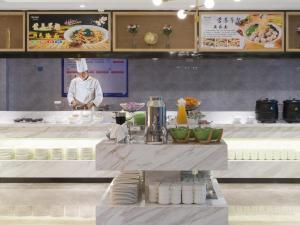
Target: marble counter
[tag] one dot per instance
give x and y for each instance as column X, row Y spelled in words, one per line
column 168, row 157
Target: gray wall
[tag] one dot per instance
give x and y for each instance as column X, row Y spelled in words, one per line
column 221, row 84
column 3, row 84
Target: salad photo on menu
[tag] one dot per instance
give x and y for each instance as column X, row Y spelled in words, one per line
column 68, row 32
column 242, row 31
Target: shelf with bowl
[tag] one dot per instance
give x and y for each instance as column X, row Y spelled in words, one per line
column 148, row 34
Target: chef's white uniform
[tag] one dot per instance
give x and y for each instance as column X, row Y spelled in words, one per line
column 85, row 91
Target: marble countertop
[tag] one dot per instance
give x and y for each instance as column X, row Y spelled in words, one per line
column 167, row 157
column 95, row 128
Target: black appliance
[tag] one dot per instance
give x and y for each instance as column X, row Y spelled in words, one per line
column 266, row 110
column 291, row 111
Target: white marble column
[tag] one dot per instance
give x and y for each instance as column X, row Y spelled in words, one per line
column 2, row 84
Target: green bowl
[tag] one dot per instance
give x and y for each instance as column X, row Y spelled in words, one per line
column 180, row 133
column 217, row 134
column 140, row 118
column 192, row 135
column 202, row 134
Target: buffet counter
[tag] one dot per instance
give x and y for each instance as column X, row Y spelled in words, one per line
column 50, row 149
column 254, row 150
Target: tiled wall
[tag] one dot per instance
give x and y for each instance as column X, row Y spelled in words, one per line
column 223, row 84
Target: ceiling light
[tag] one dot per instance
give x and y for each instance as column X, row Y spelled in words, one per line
column 82, row 6
column 237, row 0
column 209, row 4
column 157, row 2
column 181, row 14
column 192, row 6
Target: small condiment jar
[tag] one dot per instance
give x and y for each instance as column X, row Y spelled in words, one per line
column 153, row 192
column 187, row 193
column 199, row 193
column 164, row 194
column 175, row 193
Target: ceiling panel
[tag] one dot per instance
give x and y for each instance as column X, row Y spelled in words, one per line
column 145, row 4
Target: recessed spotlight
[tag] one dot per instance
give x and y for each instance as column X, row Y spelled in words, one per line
column 82, row 6
column 209, row 4
column 192, row 6
column 157, row 2
column 237, row 0
column 181, row 14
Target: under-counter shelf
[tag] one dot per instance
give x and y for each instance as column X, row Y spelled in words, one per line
column 52, row 169
column 286, row 169
column 12, row 31
column 214, row 211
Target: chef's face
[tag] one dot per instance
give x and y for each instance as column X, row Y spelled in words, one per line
column 83, row 75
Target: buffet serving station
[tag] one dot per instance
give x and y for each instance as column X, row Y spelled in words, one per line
column 161, row 163
column 254, row 150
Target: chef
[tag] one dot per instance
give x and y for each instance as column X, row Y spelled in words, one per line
column 85, row 91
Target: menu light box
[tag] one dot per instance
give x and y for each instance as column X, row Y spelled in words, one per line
column 111, row 73
column 242, row 31
column 68, row 31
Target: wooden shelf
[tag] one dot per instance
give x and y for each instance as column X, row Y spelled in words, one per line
column 12, row 31
column 293, row 37
column 183, row 37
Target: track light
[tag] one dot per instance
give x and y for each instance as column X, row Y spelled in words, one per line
column 209, row 4
column 157, row 2
column 181, row 14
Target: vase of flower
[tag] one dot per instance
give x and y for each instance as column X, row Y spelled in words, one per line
column 133, row 29
column 167, row 31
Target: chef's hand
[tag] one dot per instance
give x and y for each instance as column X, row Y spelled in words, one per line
column 74, row 104
column 89, row 105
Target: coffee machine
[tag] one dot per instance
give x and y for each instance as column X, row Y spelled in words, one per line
column 156, row 125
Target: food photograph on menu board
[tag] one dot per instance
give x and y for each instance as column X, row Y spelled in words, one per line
column 63, row 31
column 257, row 31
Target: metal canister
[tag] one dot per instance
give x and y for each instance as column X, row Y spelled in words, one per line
column 156, row 120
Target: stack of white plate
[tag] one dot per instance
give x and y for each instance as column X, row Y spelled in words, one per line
column 41, row 154
column 6, row 153
column 23, row 154
column 125, row 189
column 57, row 154
column 86, row 154
column 71, row 153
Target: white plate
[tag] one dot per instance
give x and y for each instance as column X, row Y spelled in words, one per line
column 68, row 34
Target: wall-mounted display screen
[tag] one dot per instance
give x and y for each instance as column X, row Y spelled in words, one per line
column 66, row 31
column 242, row 31
column 111, row 73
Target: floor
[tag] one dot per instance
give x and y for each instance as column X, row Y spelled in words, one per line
column 57, row 204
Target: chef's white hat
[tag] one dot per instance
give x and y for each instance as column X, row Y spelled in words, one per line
column 81, row 65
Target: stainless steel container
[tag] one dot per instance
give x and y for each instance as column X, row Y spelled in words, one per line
column 156, row 120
